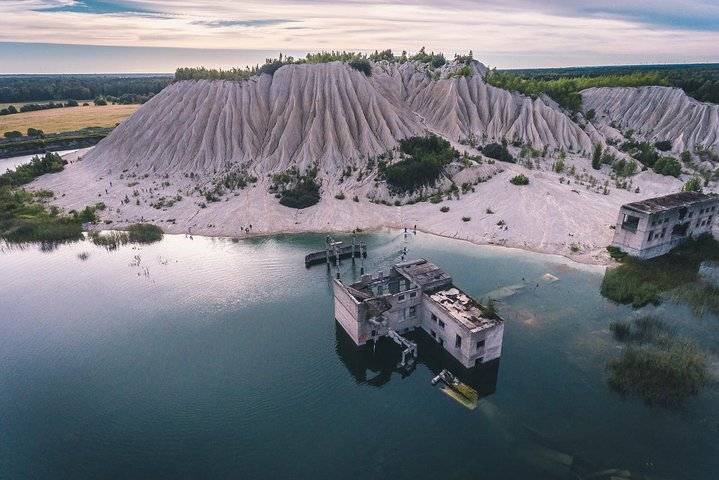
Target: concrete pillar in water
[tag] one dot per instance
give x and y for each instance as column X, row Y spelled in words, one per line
column 327, row 251
column 361, row 258
column 354, row 237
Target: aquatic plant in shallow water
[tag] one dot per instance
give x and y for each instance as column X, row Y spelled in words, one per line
column 663, row 370
column 639, row 282
column 662, row 378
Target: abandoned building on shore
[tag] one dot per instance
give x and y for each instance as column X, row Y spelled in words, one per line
column 653, row 227
column 416, row 294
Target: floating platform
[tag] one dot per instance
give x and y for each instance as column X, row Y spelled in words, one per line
column 344, row 252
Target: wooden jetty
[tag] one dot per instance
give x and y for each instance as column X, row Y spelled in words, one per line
column 335, row 251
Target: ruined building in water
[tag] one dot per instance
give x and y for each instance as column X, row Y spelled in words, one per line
column 653, row 227
column 418, row 294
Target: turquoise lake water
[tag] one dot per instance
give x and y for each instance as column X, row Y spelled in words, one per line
column 214, row 358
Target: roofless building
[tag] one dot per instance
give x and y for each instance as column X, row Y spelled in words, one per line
column 653, row 227
column 418, row 294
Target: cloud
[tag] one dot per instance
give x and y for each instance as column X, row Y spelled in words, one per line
column 240, row 23
column 530, row 33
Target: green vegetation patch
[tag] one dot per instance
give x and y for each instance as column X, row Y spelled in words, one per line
column 668, row 166
column 498, row 152
column 144, row 233
column 24, row 216
column 639, row 282
column 296, row 190
column 698, row 81
column 520, row 179
column 26, row 173
column 565, row 90
column 358, row 61
column 428, row 156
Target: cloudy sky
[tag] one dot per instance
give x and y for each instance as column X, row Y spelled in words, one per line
column 38, row 36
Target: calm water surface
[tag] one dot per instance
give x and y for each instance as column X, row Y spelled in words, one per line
column 213, row 358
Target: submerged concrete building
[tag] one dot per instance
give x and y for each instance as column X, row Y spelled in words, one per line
column 653, row 227
column 418, row 294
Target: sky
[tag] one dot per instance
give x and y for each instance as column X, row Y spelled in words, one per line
column 139, row 36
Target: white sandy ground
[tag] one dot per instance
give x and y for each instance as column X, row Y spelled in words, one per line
column 544, row 216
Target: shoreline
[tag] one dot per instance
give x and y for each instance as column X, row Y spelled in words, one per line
column 549, row 216
column 260, row 235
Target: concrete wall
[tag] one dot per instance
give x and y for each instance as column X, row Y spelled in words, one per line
column 492, row 349
column 468, row 352
column 347, row 311
column 653, row 236
column 399, row 318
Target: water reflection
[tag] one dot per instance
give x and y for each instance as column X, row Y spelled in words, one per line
column 374, row 364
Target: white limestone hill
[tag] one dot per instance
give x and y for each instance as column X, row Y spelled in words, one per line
column 326, row 113
column 460, row 106
column 656, row 113
column 304, row 113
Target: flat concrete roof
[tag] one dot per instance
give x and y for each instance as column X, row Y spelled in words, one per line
column 423, row 273
column 463, row 308
column 668, row 202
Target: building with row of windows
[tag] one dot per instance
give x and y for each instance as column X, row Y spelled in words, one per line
column 418, row 294
column 653, row 227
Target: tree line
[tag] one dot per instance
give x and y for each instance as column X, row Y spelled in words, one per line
column 700, row 81
column 565, row 90
column 356, row 60
column 79, row 87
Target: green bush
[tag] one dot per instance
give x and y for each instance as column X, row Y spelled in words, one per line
column 444, row 209
column 428, row 157
column 622, row 168
column 100, row 102
column 520, row 179
column 361, row 65
column 304, row 194
column 466, row 219
column 13, row 134
column 34, row 132
column 694, row 184
column 663, row 145
column 144, row 233
column 597, row 157
column 669, row 166
column 498, row 152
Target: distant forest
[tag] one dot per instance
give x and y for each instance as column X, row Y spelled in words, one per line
column 700, row 81
column 122, row 89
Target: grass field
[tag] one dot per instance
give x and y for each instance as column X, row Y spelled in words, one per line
column 67, row 119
